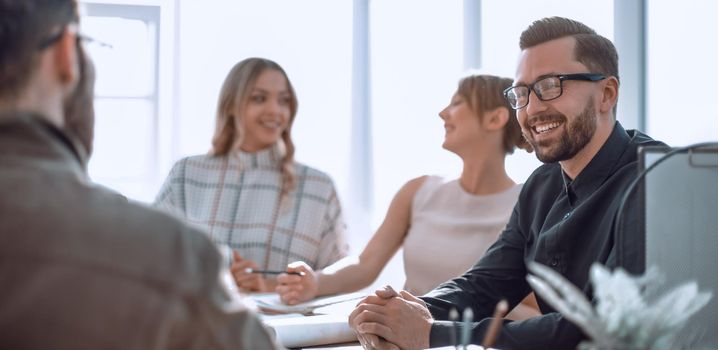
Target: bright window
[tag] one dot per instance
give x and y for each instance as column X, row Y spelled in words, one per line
column 416, row 62
column 681, row 59
column 125, row 54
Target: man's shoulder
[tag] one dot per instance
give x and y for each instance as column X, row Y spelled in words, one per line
column 547, row 172
column 141, row 221
column 544, row 182
column 636, row 140
column 150, row 245
column 641, row 139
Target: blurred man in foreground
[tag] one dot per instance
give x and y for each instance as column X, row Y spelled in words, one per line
column 80, row 266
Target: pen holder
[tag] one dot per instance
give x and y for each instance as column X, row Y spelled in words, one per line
column 468, row 317
column 454, row 318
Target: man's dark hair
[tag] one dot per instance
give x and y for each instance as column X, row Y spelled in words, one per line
column 594, row 51
column 24, row 26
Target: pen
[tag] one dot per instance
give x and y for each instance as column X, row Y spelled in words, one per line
column 495, row 326
column 272, row 272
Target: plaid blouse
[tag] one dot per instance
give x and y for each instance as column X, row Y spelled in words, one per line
column 236, row 200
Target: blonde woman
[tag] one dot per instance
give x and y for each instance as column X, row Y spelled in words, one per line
column 444, row 226
column 248, row 193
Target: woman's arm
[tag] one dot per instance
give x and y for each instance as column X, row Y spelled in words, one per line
column 354, row 272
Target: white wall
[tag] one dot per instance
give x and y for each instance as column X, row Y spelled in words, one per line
column 682, row 56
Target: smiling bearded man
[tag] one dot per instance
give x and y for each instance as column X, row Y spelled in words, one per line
column 564, row 93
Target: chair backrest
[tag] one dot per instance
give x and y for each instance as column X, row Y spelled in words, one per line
column 680, row 202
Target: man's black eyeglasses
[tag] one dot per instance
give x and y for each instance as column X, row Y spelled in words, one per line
column 546, row 89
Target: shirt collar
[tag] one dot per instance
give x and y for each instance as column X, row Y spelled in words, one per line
column 601, row 166
column 267, row 158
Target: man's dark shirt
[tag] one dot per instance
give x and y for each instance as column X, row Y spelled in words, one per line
column 566, row 225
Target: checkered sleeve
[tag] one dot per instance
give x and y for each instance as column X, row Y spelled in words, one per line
column 333, row 244
column 171, row 197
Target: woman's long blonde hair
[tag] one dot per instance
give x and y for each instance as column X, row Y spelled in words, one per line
column 233, row 97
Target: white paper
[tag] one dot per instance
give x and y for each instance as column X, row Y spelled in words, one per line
column 271, row 302
column 311, row 330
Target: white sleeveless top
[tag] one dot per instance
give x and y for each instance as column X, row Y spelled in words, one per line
column 450, row 230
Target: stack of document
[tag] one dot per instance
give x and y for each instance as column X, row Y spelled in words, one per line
column 292, row 329
column 294, row 332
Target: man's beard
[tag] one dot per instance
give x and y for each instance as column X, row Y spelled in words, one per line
column 79, row 108
column 576, row 135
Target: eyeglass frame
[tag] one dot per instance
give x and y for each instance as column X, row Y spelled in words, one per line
column 51, row 40
column 592, row 77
